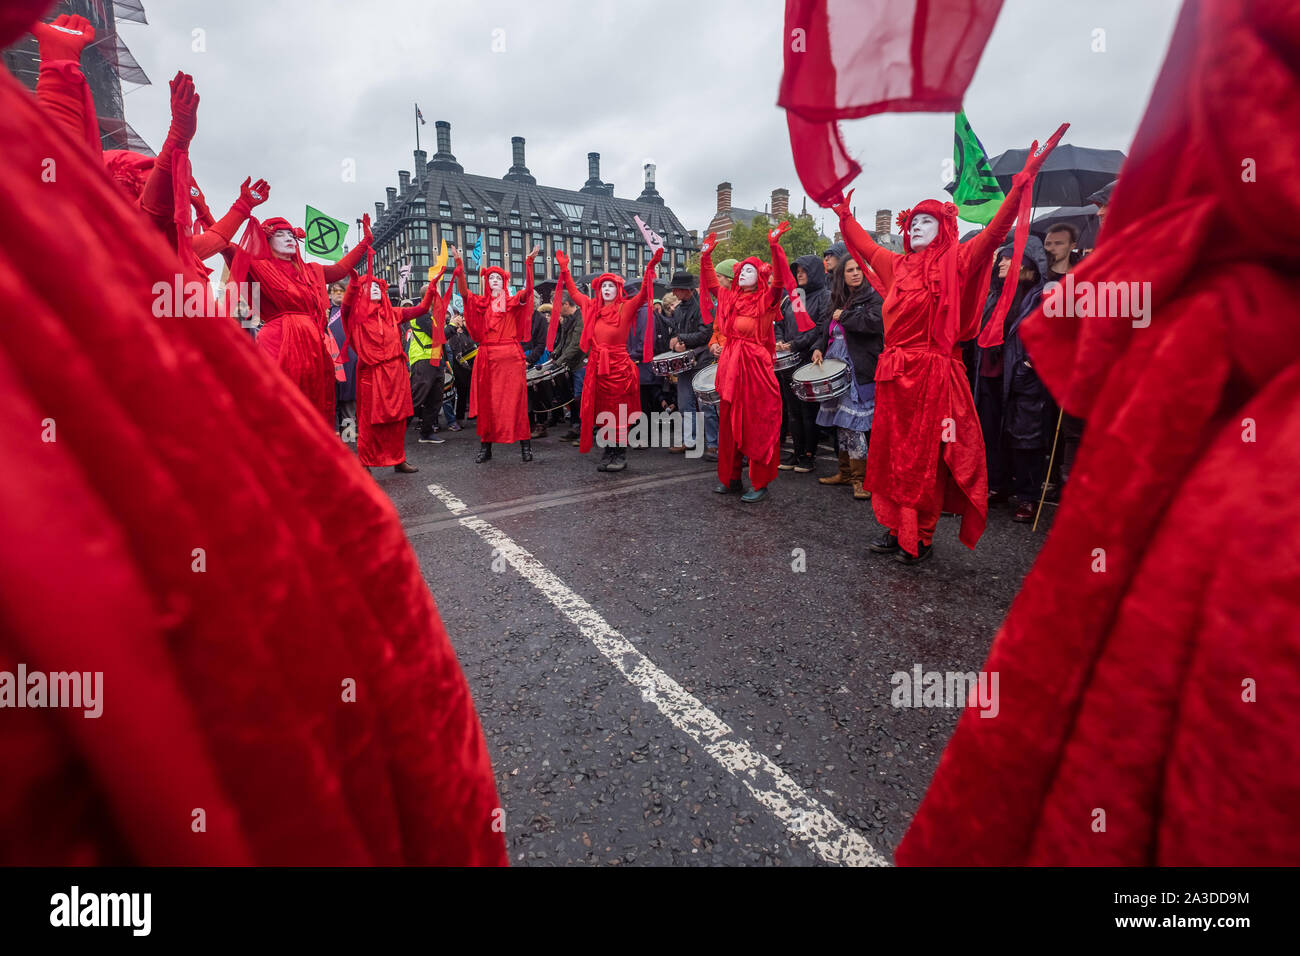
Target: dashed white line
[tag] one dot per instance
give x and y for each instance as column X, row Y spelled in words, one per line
column 794, row 807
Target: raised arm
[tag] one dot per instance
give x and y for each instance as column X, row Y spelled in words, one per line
column 862, row 245
column 524, row 320
column 221, row 233
column 708, row 278
column 987, row 240
column 782, row 278
column 61, row 87
column 645, row 295
column 158, row 198
column 580, row 300
column 337, row 270
column 425, row 304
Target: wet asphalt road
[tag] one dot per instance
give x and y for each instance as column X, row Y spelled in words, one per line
column 798, row 663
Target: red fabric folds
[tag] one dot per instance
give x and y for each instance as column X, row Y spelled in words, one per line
column 1166, row 590
column 498, row 389
column 852, row 58
column 236, row 573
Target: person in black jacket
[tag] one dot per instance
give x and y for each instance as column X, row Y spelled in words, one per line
column 856, row 335
column 652, row 401
column 810, row 276
column 690, row 334
column 1010, row 398
column 568, row 352
column 540, row 397
column 459, row 345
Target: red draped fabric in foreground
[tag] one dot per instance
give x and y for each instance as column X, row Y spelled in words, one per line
column 1150, row 668
column 850, row 58
column 178, row 517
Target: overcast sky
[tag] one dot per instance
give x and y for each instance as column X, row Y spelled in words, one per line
column 292, row 88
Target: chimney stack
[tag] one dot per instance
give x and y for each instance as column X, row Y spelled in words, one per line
column 780, row 203
column 649, row 193
column 519, row 171
column 884, row 222
column 593, row 183
column 421, row 160
column 392, row 197
column 403, row 183
column 724, row 197
column 443, row 159
column 379, row 212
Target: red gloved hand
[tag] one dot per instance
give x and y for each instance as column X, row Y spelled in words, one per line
column 368, row 237
column 657, row 257
column 1037, row 157
column 254, row 193
column 562, row 258
column 842, row 208
column 64, row 38
column 199, row 202
column 185, row 109
column 710, row 241
column 778, row 232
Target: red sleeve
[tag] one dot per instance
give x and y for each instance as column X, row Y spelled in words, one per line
column 337, row 270
column 425, row 305
column 220, row 234
column 65, row 96
column 580, row 300
column 981, row 248
column 708, row 278
column 863, row 246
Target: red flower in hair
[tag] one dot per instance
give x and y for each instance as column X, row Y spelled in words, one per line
column 902, row 218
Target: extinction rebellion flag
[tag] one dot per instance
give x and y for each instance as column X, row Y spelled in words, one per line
column 975, row 191
column 324, row 235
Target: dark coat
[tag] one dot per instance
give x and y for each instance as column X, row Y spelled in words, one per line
column 636, row 340
column 568, row 341
column 343, row 391
column 864, row 332
column 817, row 300
column 687, row 323
column 535, row 347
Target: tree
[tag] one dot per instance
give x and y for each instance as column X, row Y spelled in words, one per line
column 801, row 239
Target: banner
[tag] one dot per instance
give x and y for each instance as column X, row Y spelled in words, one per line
column 325, row 235
column 975, row 189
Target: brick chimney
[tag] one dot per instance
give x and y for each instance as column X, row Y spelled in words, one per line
column 593, row 183
column 443, row 159
column 379, row 211
column 518, row 171
column 421, row 161
column 392, row 197
column 724, row 197
column 780, row 203
column 884, row 222
column 403, row 183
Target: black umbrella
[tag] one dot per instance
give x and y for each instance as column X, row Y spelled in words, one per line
column 545, row 288
column 1082, row 218
column 1068, row 177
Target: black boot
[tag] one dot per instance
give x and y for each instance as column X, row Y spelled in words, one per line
column 619, row 460
column 606, row 457
column 526, row 450
column 923, row 551
column 730, row 488
column 885, row 544
column 484, row 452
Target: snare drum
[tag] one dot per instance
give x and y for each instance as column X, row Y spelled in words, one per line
column 785, row 361
column 673, row 363
column 541, row 381
column 820, row 383
column 705, row 384
column 547, row 371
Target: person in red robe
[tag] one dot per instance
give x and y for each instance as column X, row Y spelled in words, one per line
column 1149, row 670
column 927, row 450
column 611, row 392
column 277, row 686
column 293, row 303
column 498, row 389
column 374, row 333
column 749, row 417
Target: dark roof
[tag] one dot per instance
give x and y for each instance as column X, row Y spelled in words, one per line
column 528, row 199
column 746, row 216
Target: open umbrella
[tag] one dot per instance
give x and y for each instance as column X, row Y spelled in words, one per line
column 545, row 288
column 1082, row 218
column 1069, row 175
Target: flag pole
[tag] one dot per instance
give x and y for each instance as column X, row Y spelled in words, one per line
column 417, row 128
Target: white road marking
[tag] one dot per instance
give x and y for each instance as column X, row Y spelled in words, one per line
column 794, row 807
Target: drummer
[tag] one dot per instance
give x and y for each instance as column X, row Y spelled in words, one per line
column 690, row 334
column 569, row 353
column 801, row 416
column 855, row 335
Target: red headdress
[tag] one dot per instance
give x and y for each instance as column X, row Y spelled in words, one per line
column 940, row 264
column 498, row 305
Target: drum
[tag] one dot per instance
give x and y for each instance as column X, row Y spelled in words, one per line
column 448, row 380
column 468, row 357
column 705, row 384
column 820, row 383
column 548, row 370
column 673, row 363
column 542, row 382
column 785, row 361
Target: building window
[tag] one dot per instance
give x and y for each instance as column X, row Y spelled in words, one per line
column 538, row 240
column 471, row 236
column 516, row 241
column 514, row 217
column 449, row 235
column 494, row 259
column 489, row 215
column 494, row 238
column 539, row 269
column 627, row 234
column 612, row 230
column 571, row 210
column 596, row 249
column 614, row 252
column 444, row 209
column 536, row 221
column 593, row 228
column 468, row 210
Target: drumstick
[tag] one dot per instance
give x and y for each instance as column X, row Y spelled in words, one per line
column 1050, row 461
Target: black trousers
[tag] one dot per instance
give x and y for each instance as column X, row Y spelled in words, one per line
column 1030, row 469
column 997, row 455
column 462, row 375
column 1071, row 435
column 426, row 395
column 801, row 417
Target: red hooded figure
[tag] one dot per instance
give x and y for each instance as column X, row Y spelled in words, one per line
column 374, row 332
column 927, row 450
column 293, row 304
column 749, row 418
column 499, row 323
column 611, row 389
column 276, row 686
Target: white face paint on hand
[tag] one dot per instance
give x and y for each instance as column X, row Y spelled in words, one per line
column 375, row 292
column 608, row 290
column 495, row 282
column 283, row 243
column 922, row 231
column 748, row 276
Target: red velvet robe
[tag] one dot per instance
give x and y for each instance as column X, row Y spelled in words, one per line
column 751, row 398
column 612, row 386
column 374, row 332
column 927, row 449
column 498, row 390
column 236, row 573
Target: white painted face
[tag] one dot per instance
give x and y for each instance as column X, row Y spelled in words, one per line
column 283, row 243
column 748, row 276
column 376, row 293
column 922, row 231
column 608, row 290
column 495, row 282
